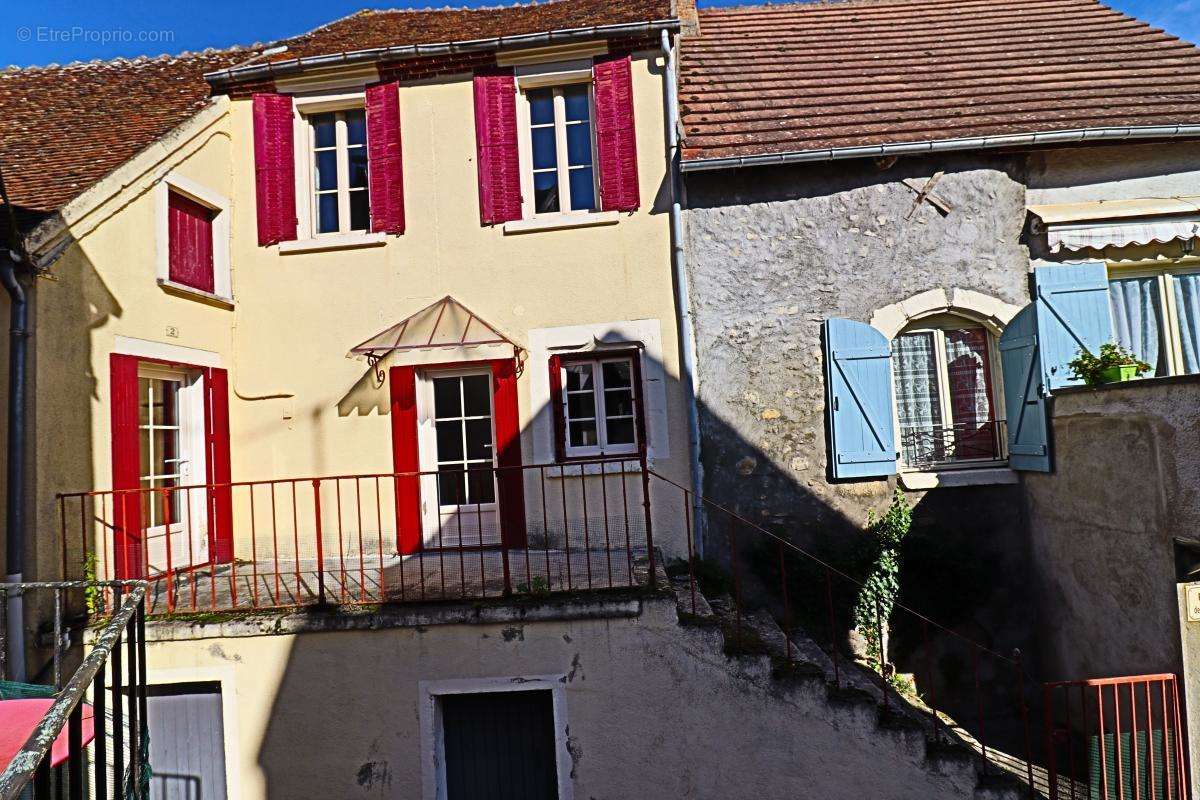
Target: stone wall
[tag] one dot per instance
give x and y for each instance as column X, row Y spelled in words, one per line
column 1126, row 485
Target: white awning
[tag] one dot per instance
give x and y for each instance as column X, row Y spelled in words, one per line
column 1117, row 223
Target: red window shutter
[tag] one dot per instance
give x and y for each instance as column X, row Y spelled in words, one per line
column 406, row 458
column 190, row 242
column 126, row 467
column 616, row 140
column 556, row 408
column 509, row 482
column 220, row 500
column 274, row 168
column 385, row 167
column 496, row 143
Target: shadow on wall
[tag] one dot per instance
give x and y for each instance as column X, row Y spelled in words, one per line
column 303, row 750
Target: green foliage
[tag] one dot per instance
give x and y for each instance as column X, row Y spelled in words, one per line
column 1087, row 367
column 537, row 587
column 93, row 596
column 877, row 598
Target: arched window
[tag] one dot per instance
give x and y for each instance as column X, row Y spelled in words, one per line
column 947, row 393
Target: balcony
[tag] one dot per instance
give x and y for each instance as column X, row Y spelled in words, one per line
column 485, row 532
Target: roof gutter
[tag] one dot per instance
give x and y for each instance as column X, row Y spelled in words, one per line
column 562, row 36
column 1074, row 136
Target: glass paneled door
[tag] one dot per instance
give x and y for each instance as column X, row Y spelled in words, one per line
column 457, row 435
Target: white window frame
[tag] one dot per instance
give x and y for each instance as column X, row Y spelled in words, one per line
column 944, row 402
column 306, row 197
column 1172, row 341
column 599, row 393
column 433, row 757
column 220, row 206
column 554, row 76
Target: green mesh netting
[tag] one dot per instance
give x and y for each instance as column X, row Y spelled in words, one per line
column 14, row 690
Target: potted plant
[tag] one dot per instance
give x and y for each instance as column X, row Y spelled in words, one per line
column 1114, row 365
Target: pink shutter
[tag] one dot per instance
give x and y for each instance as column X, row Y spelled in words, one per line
column 496, row 142
column 274, row 168
column 616, row 145
column 220, row 499
column 385, row 168
column 190, row 242
column 125, row 438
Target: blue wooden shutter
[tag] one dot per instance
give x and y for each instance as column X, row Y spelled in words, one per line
column 1024, row 398
column 1072, row 314
column 858, row 400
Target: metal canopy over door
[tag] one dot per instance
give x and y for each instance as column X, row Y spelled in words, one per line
column 457, row 435
column 499, row 746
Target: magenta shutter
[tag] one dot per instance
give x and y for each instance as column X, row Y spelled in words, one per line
column 496, row 142
column 189, row 242
column 616, row 145
column 385, row 168
column 274, row 168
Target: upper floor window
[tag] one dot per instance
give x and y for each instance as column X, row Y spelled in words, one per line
column 338, row 185
column 945, row 395
column 558, row 149
column 192, row 239
column 601, row 406
column 1156, row 316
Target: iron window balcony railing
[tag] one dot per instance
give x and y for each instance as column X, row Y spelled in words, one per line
column 953, row 445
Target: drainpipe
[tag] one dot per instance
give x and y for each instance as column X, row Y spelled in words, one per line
column 18, row 337
column 683, row 300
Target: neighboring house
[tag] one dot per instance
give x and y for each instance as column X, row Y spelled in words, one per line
column 903, row 221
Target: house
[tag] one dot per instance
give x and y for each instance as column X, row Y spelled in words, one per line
column 904, row 221
column 361, row 351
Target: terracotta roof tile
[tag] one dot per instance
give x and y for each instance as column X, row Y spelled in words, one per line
column 63, row 128
column 370, row 29
column 800, row 77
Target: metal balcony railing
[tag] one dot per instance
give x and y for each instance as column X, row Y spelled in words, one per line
column 374, row 538
column 933, row 446
column 111, row 732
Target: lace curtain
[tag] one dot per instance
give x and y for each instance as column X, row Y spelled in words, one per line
column 1137, row 325
column 914, row 367
column 1187, row 308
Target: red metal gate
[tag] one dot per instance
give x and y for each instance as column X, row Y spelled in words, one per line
column 1116, row 739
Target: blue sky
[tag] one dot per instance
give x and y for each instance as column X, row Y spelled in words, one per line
column 53, row 31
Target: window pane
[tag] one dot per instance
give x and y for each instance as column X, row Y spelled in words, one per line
column 481, row 489
column 617, row 374
column 323, row 130
column 144, row 403
column 360, row 211
column 1187, row 306
column 583, row 434
column 479, row 439
column 545, row 192
column 1137, row 319
column 446, row 402
column 144, row 463
column 358, row 167
column 545, row 149
column 166, row 453
column 618, row 403
column 451, row 486
column 356, row 127
column 449, row 441
column 581, row 406
column 969, row 372
column 327, row 213
column 579, row 376
column 579, row 144
column 575, row 98
column 166, row 411
column 583, row 190
column 620, row 431
column 326, row 167
column 541, row 106
column 917, row 405
column 476, row 399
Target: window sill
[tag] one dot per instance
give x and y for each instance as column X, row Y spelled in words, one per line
column 555, row 222
column 191, row 293
column 334, row 241
column 949, row 478
column 566, row 470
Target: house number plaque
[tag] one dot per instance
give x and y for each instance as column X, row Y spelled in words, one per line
column 1193, row 603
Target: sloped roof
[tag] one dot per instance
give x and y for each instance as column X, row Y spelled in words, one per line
column 371, row 29
column 63, row 128
column 802, row 77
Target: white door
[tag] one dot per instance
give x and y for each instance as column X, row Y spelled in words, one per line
column 171, row 434
column 458, row 503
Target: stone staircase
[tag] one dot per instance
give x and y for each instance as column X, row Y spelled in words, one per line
column 804, row 673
